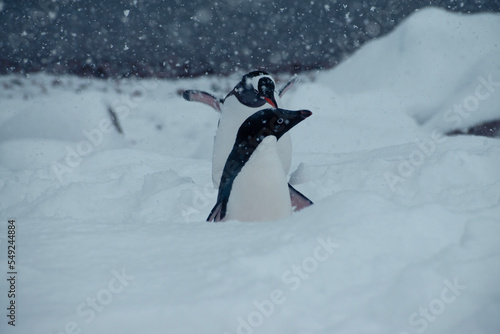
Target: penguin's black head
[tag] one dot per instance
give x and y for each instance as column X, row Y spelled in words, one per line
column 270, row 122
column 255, row 89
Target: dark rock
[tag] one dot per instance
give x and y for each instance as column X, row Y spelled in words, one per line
column 486, row 129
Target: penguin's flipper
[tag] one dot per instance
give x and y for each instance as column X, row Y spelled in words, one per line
column 218, row 213
column 288, row 85
column 299, row 201
column 203, row 97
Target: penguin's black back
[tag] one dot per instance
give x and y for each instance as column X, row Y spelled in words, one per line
column 267, row 122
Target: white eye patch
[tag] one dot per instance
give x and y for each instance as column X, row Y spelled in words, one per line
column 255, row 81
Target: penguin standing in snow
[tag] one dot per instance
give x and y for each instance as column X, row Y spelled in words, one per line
column 253, row 186
column 253, row 91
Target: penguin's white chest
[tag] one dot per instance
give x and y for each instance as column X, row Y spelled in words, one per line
column 232, row 116
column 260, row 190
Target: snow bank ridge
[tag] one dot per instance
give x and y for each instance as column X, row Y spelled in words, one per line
column 483, row 91
column 454, row 116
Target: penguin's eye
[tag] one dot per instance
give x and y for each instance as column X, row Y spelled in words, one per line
column 280, row 120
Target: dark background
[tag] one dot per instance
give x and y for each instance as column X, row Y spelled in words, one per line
column 179, row 38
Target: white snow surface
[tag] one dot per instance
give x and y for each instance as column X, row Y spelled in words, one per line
column 403, row 236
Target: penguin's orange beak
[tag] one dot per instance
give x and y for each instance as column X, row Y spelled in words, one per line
column 271, row 101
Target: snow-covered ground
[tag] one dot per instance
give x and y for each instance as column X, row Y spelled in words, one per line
column 403, row 236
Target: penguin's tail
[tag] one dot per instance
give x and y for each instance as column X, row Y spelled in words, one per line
column 218, row 212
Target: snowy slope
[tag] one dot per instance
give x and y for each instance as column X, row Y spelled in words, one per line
column 403, row 236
